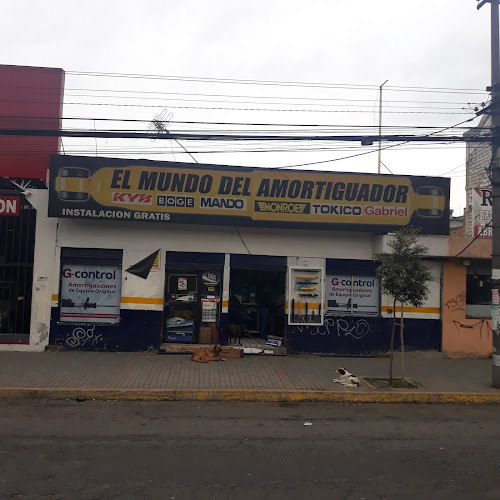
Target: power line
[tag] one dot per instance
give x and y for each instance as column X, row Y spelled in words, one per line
column 232, row 96
column 231, row 80
column 378, row 149
column 127, row 134
column 273, row 82
column 239, row 123
column 232, row 108
column 129, row 150
column 449, row 171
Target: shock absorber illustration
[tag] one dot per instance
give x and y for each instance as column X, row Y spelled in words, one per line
column 73, row 184
column 430, row 202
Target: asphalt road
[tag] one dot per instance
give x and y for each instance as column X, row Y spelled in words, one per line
column 176, row 450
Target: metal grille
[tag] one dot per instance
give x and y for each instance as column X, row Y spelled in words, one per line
column 17, row 244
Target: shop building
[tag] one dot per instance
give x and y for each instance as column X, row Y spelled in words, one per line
column 467, row 325
column 131, row 254
column 467, row 290
column 31, row 99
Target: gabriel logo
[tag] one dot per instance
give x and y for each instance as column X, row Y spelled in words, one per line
column 132, row 198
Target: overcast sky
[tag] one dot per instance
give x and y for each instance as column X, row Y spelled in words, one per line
column 346, row 48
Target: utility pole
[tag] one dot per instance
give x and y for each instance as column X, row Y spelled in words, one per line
column 495, row 183
column 380, row 127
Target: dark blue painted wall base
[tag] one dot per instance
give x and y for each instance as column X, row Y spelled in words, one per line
column 348, row 336
column 362, row 336
column 137, row 331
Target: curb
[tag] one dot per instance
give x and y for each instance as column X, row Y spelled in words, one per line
column 251, row 395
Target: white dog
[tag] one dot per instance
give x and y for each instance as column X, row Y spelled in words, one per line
column 346, row 378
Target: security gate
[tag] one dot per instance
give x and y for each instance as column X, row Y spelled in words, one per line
column 17, row 243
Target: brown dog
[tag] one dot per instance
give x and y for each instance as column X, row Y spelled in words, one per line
column 206, row 354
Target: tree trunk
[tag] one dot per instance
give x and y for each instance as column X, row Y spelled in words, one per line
column 391, row 359
column 401, row 326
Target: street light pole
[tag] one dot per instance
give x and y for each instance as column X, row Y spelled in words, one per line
column 495, row 184
column 380, row 127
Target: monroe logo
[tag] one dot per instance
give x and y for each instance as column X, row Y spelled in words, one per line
column 282, row 207
column 132, row 198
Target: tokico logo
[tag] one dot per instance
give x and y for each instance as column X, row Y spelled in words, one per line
column 68, row 273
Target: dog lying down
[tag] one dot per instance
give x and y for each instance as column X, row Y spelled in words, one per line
column 346, row 378
column 206, row 354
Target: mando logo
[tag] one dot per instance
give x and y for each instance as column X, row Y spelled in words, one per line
column 282, row 207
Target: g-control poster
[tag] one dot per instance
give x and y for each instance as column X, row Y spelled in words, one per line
column 90, row 293
column 356, row 295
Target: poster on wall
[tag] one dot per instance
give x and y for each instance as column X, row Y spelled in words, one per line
column 90, row 293
column 352, row 295
column 149, row 191
column 209, row 312
column 481, row 212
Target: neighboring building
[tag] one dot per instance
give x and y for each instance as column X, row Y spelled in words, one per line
column 136, row 253
column 31, row 99
column 477, row 181
column 467, row 331
column 467, row 326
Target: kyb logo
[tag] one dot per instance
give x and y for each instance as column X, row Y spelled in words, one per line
column 132, row 198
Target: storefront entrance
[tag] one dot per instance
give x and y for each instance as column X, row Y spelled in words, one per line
column 17, row 243
column 256, row 300
column 193, row 284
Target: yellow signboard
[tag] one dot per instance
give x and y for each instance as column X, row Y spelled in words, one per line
column 121, row 189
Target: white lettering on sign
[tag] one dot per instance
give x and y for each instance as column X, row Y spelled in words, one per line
column 9, row 205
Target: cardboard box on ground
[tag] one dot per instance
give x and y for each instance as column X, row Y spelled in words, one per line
column 209, row 335
column 231, row 352
column 205, row 334
column 274, row 340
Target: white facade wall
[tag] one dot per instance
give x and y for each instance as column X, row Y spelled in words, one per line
column 304, row 248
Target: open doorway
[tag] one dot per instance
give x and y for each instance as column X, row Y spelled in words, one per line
column 192, row 306
column 256, row 306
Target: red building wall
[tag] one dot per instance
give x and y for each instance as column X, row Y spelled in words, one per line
column 30, row 98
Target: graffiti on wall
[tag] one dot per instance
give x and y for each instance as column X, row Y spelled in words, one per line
column 457, row 302
column 357, row 329
column 80, row 337
column 456, row 309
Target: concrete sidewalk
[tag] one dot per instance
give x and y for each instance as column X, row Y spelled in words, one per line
column 121, row 375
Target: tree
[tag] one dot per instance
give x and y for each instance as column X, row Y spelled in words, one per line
column 403, row 275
